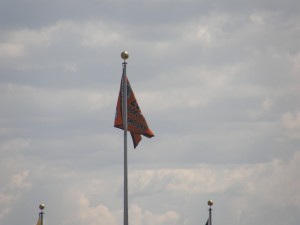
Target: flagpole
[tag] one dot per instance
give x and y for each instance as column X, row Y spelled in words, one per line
column 125, row 55
column 41, row 207
column 210, row 203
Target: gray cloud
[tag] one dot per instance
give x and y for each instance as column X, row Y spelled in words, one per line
column 217, row 82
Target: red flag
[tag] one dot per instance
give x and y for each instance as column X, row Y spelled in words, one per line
column 136, row 122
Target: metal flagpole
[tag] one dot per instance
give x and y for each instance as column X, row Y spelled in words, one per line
column 210, row 203
column 42, row 206
column 125, row 55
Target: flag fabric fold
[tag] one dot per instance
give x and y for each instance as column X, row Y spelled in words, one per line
column 136, row 122
column 39, row 222
column 207, row 222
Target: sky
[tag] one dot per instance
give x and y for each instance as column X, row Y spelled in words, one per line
column 217, row 81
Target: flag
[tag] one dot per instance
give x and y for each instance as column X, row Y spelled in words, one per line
column 39, row 222
column 136, row 122
column 207, row 222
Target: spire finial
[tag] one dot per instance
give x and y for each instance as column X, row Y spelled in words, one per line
column 124, row 55
column 210, row 203
column 41, row 207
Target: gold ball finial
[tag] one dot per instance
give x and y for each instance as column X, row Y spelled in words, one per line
column 210, row 203
column 42, row 206
column 124, row 55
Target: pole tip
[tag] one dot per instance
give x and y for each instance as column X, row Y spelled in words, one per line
column 210, row 203
column 42, row 206
column 124, row 55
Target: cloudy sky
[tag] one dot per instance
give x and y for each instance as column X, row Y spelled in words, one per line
column 218, row 82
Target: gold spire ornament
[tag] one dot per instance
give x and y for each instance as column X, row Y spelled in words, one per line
column 42, row 206
column 124, row 55
column 210, row 203
column 41, row 214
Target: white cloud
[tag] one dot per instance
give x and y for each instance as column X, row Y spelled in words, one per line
column 191, row 181
column 18, row 98
column 86, row 214
column 14, row 145
column 35, row 48
column 291, row 124
column 95, row 34
column 11, row 191
column 71, row 67
column 89, row 214
column 11, row 50
column 295, row 59
column 140, row 216
column 19, row 180
column 218, row 83
column 280, row 185
column 237, row 189
column 291, row 120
